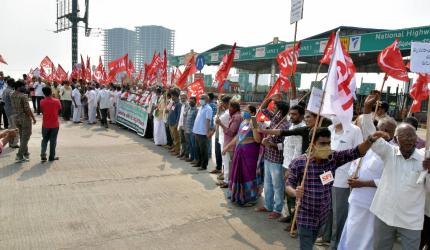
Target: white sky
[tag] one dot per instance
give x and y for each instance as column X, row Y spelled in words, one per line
column 27, row 25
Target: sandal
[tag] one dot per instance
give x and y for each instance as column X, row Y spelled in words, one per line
column 261, row 210
column 274, row 215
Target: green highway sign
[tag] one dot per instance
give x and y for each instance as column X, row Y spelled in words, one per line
column 316, row 84
column 365, row 88
column 361, row 43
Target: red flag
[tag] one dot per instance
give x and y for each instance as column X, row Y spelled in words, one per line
column 287, row 60
column 340, row 89
column 154, row 68
column 139, row 76
column 163, row 71
column 419, row 91
column 189, row 70
column 276, row 89
column 47, row 69
column 98, row 73
column 196, row 88
column 118, row 65
column 328, row 51
column 88, row 70
column 130, row 69
column 83, row 69
column 2, row 60
column 75, row 73
column 224, row 68
column 391, row 62
column 60, row 74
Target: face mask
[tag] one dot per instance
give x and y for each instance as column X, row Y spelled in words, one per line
column 322, row 152
column 202, row 102
column 246, row 115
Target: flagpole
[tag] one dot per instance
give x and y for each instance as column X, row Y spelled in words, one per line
column 382, row 88
column 308, row 156
column 306, row 95
column 293, row 82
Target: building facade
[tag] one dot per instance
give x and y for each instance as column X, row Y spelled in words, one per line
column 140, row 44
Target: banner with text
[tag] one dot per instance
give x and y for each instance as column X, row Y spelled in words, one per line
column 132, row 116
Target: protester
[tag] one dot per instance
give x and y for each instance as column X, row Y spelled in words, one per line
column 273, row 158
column 173, row 120
column 181, row 126
column 244, row 182
column 32, row 93
column 342, row 138
column 213, row 105
column 152, row 97
column 50, row 125
column 190, row 117
column 10, row 112
column 358, row 231
column 230, row 133
column 103, row 99
column 292, row 149
column 224, row 118
column 399, row 199
column 382, row 110
column 160, row 137
column 77, row 104
column 315, row 195
column 420, row 143
column 66, row 99
column 23, row 119
column 425, row 239
column 2, row 110
column 55, row 91
column 202, row 131
column 168, row 107
column 38, row 86
column 92, row 105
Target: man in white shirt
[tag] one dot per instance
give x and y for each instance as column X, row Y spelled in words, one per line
column 76, row 98
column 341, row 139
column 425, row 239
column 92, row 105
column 103, row 99
column 38, row 86
column 401, row 194
column 181, row 125
column 358, row 230
column 292, row 149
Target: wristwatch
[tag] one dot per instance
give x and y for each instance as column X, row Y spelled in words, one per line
column 370, row 139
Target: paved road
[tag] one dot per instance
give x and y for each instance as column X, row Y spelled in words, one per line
column 114, row 190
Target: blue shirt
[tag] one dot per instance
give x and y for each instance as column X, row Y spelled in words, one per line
column 174, row 114
column 200, row 127
column 191, row 117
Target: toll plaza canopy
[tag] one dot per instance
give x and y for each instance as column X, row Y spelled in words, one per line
column 362, row 44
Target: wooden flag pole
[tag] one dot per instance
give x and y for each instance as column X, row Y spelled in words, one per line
column 308, row 156
column 316, row 79
column 382, row 88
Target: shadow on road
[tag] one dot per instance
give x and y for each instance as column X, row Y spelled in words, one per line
column 35, row 171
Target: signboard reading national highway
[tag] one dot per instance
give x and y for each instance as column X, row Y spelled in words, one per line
column 362, row 43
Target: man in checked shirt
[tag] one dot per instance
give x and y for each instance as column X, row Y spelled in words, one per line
column 315, row 196
column 273, row 158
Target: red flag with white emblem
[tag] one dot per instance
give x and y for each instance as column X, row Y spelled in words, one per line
column 340, row 89
column 287, row 60
column 196, row 89
column 47, row 69
column 60, row 74
column 118, row 65
column 419, row 91
column 189, row 70
column 224, row 68
column 163, row 71
column 276, row 89
column 391, row 62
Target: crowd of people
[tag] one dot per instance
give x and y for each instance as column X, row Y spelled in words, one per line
column 360, row 186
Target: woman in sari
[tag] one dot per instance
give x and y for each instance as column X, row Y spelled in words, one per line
column 159, row 133
column 243, row 184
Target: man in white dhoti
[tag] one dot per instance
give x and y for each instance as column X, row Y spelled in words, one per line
column 77, row 104
column 92, row 105
column 160, row 137
column 358, row 229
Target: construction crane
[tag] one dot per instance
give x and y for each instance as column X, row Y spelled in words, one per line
column 68, row 18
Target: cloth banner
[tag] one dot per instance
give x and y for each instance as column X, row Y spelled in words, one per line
column 132, row 116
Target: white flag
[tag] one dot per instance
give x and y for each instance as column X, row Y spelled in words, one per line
column 340, row 90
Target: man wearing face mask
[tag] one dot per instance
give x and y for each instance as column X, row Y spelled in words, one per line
column 358, row 232
column 3, row 115
column 401, row 194
column 23, row 119
column 315, row 196
column 173, row 120
column 202, row 131
column 189, row 136
column 341, row 139
column 181, row 126
column 76, row 98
